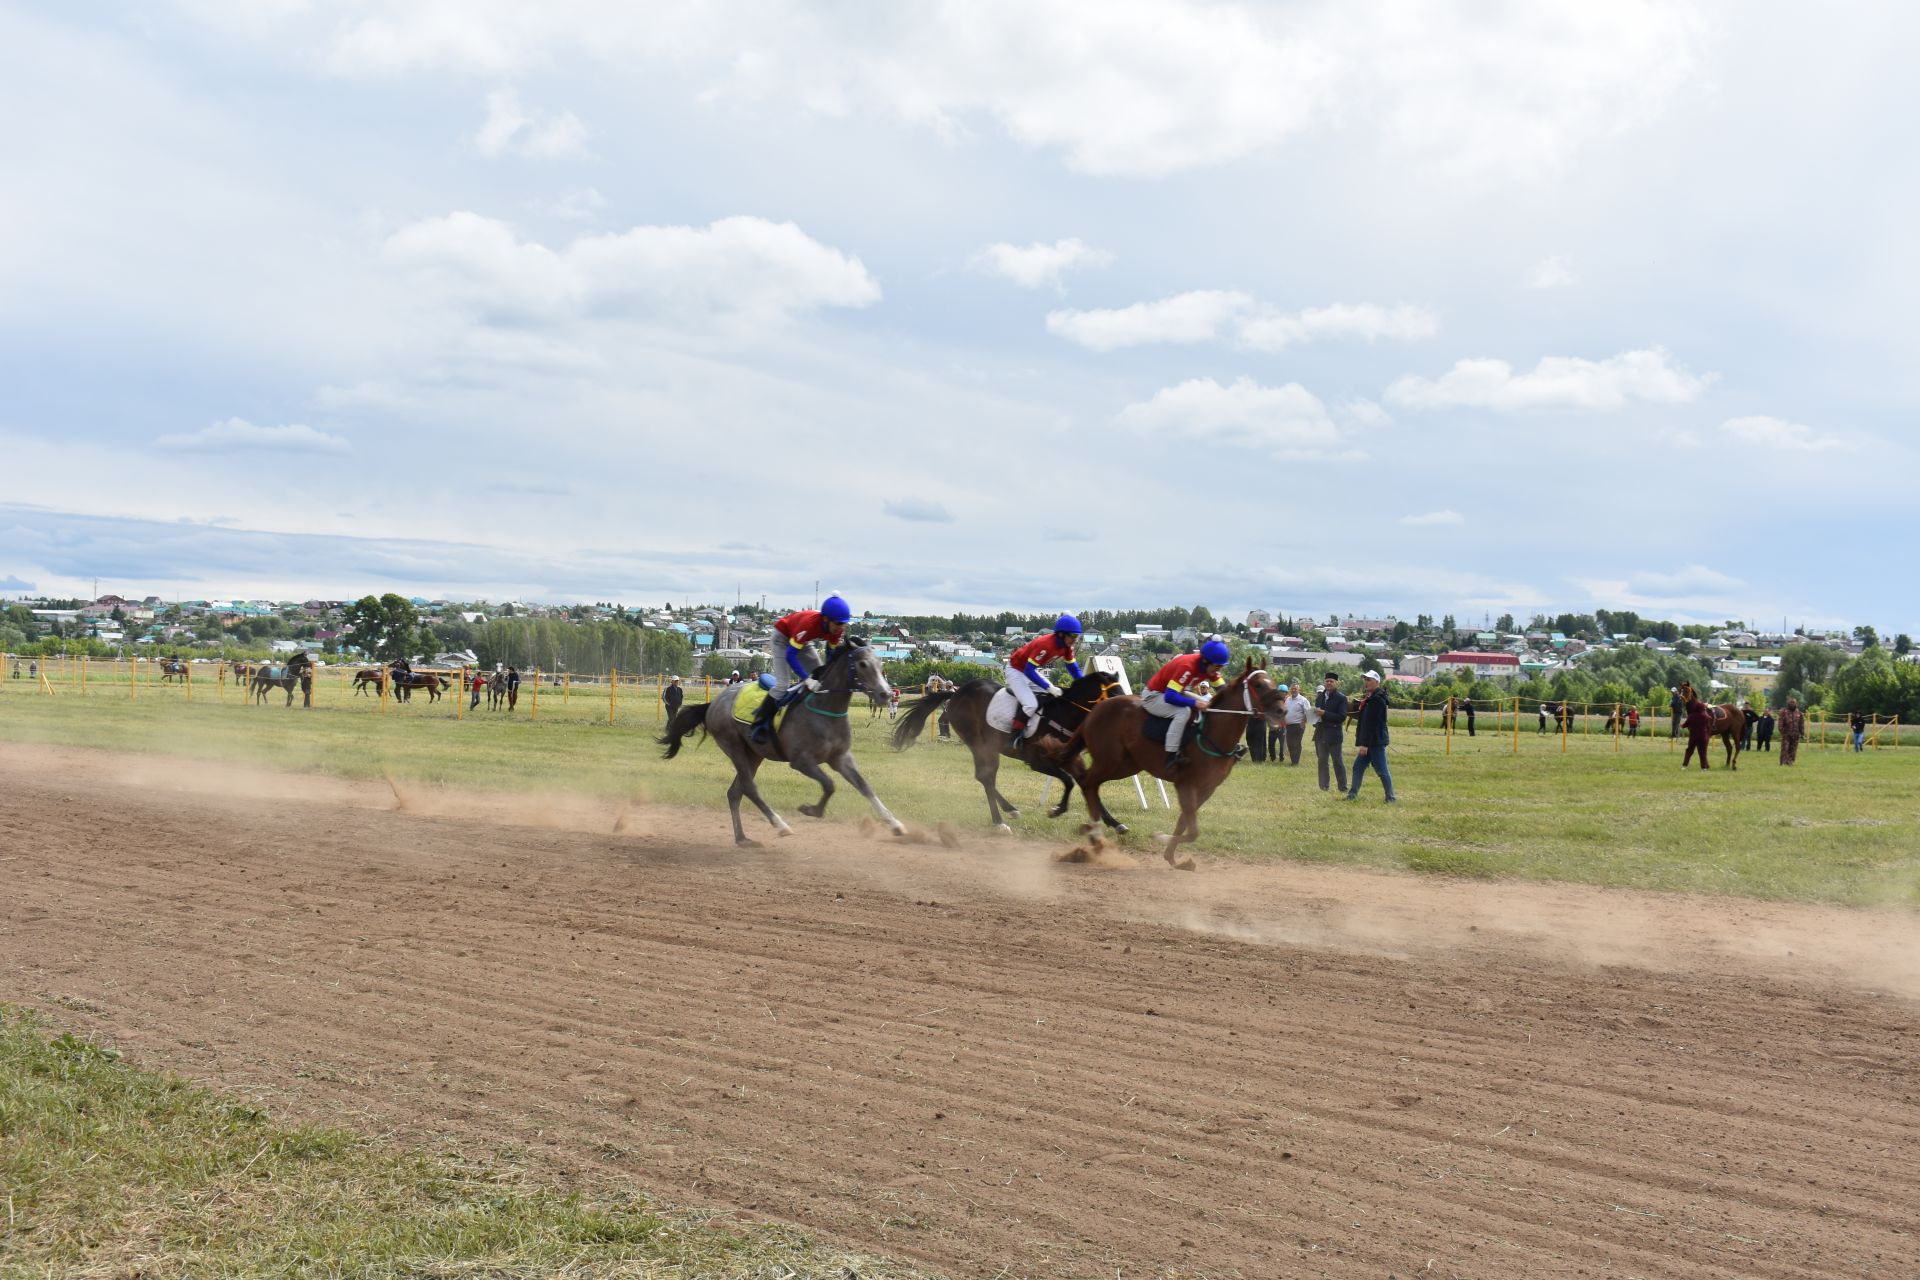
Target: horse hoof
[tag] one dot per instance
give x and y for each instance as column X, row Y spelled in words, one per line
column 1002, row 829
column 784, row 831
column 1185, row 864
column 811, row 810
column 899, row 828
column 1061, row 812
column 1087, row 828
column 1014, row 814
column 747, row 842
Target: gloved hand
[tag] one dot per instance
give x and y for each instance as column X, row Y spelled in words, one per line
column 810, row 685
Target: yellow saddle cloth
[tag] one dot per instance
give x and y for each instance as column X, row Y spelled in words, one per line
column 747, row 705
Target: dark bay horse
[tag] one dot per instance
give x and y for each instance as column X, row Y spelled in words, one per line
column 1729, row 722
column 1114, row 737
column 298, row 671
column 172, row 669
column 405, row 682
column 1045, row 752
column 811, row 733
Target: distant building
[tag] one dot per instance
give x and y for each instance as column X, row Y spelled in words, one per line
column 1491, row 665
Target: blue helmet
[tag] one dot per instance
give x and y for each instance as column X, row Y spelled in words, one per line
column 767, row 681
column 1216, row 652
column 1066, row 624
column 834, row 609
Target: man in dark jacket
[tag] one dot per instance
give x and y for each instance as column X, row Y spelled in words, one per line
column 673, row 696
column 1746, row 731
column 1329, row 741
column 1370, row 739
column 1763, row 732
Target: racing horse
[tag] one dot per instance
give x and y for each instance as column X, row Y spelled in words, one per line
column 1114, row 736
column 1729, row 722
column 172, row 669
column 810, row 733
column 298, row 671
column 965, row 709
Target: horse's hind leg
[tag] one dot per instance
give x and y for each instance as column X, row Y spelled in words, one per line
column 986, row 768
column 851, row 772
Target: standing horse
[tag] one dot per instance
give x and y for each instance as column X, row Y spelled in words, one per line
column 405, row 682
column 811, row 732
column 1115, row 737
column 298, row 671
column 367, row 680
column 1729, row 723
column 965, row 709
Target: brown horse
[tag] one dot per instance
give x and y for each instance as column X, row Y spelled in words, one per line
column 172, row 669
column 1114, row 736
column 966, row 712
column 407, row 681
column 1729, row 722
column 369, row 680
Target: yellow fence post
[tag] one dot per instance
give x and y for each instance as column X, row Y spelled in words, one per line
column 460, row 694
column 1516, row 725
column 1619, row 714
column 1421, row 722
column 1449, row 713
column 613, row 691
column 133, row 679
column 84, row 664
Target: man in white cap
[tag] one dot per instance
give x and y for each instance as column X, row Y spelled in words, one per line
column 1370, row 738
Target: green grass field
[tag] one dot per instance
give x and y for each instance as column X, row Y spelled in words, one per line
column 1839, row 827
column 106, row 1170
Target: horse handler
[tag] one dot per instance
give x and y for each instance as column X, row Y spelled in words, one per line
column 1699, row 729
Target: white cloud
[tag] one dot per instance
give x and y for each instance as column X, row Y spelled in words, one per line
column 1276, row 331
column 584, row 204
column 238, row 433
column 918, row 509
column 1034, row 265
column 1774, row 433
column 1433, row 518
column 1551, row 273
column 1187, row 317
column 740, row 267
column 511, row 128
column 1557, row 382
column 1204, row 315
column 1133, row 87
column 1693, row 588
column 1286, row 422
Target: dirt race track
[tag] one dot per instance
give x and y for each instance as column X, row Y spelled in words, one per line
column 987, row 1062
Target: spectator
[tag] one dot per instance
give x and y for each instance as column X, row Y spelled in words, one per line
column 1370, row 739
column 1329, row 746
column 1763, row 731
column 1679, row 709
column 513, row 687
column 1793, row 727
column 1699, row 729
column 1858, row 723
column 672, row 696
column 1467, row 705
column 1633, row 722
column 1543, row 719
column 1752, row 718
column 1257, row 735
column 33, row 669
column 479, row 686
column 1297, row 708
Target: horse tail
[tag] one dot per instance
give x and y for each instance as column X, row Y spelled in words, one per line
column 685, row 721
column 907, row 732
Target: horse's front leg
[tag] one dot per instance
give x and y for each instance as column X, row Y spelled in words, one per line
column 811, row 769
column 1186, row 829
column 843, row 763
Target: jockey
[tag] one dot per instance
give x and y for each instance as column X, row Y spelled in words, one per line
column 792, row 659
column 1024, row 674
column 1180, row 686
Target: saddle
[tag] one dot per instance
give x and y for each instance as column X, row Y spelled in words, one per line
column 1154, row 729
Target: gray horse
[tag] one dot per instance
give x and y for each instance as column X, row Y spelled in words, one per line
column 812, row 733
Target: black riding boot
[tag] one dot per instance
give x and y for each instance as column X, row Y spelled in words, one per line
column 762, row 728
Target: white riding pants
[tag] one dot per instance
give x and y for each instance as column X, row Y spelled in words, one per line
column 1156, row 704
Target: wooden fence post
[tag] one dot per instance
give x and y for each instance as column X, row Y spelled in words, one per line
column 535, row 713
column 613, row 691
column 1516, row 724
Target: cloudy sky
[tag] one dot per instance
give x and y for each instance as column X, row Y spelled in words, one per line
column 1401, row 306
